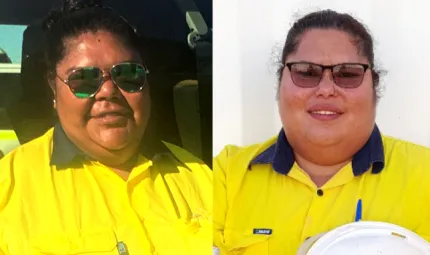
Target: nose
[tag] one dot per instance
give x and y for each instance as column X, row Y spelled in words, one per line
column 108, row 90
column 326, row 88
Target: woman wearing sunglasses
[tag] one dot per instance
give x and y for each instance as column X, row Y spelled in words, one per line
column 83, row 187
column 329, row 165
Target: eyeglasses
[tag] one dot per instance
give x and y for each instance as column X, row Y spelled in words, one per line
column 85, row 82
column 309, row 75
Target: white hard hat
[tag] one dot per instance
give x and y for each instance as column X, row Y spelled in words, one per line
column 366, row 237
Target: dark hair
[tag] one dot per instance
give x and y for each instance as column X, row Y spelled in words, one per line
column 77, row 17
column 328, row 19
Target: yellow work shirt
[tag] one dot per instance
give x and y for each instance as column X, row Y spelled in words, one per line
column 164, row 208
column 266, row 205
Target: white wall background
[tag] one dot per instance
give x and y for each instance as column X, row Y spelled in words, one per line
column 248, row 39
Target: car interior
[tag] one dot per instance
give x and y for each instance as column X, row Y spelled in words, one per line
column 178, row 57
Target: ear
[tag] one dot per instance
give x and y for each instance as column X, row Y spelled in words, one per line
column 54, row 93
column 50, row 80
column 52, row 86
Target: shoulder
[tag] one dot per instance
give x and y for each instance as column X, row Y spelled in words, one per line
column 184, row 174
column 15, row 165
column 183, row 157
column 407, row 164
column 30, row 153
column 241, row 156
column 183, row 165
column 405, row 153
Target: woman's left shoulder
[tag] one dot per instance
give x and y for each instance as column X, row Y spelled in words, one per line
column 185, row 173
column 405, row 148
column 403, row 154
column 184, row 163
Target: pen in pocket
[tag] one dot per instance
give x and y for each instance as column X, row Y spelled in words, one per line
column 358, row 210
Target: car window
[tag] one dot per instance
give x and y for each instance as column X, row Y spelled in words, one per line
column 11, row 42
column 11, row 37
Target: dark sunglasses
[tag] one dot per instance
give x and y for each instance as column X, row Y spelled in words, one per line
column 309, row 75
column 85, row 82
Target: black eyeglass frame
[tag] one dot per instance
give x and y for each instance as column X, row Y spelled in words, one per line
column 329, row 67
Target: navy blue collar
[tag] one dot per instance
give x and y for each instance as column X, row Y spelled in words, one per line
column 281, row 155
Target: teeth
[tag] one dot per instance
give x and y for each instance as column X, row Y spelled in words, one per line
column 324, row 112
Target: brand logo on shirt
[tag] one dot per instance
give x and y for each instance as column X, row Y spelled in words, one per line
column 262, row 231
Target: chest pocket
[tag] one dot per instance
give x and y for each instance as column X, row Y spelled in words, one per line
column 190, row 237
column 96, row 243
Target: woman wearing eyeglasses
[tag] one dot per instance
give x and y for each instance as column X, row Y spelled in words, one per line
column 330, row 164
column 83, row 187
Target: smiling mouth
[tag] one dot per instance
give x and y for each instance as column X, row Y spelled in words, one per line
column 324, row 115
column 321, row 112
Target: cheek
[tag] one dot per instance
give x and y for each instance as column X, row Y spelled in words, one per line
column 292, row 98
column 71, row 109
column 361, row 101
column 140, row 104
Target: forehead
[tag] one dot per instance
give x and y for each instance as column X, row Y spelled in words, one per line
column 327, row 46
column 101, row 49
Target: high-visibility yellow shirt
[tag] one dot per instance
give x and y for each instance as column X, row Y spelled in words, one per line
column 51, row 203
column 8, row 141
column 265, row 204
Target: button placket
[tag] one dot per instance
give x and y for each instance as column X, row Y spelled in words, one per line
column 317, row 202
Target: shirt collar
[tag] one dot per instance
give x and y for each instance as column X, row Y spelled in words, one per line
column 64, row 151
column 281, row 155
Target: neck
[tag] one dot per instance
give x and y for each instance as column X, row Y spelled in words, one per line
column 125, row 166
column 320, row 173
column 124, row 159
column 122, row 165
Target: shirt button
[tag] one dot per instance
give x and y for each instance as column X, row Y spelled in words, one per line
column 320, row 192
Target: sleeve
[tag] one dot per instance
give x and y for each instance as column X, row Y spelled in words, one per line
column 424, row 228
column 220, row 169
column 197, row 189
column 202, row 174
column 5, row 181
column 6, row 185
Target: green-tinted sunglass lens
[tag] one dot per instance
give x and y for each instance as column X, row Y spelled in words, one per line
column 129, row 77
column 84, row 82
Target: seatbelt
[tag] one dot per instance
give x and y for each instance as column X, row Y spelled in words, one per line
column 194, row 19
column 199, row 40
column 204, row 77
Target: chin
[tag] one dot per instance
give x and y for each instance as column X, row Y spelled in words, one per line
column 114, row 145
column 114, row 140
column 324, row 138
column 328, row 141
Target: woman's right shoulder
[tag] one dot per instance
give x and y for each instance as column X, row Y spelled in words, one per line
column 17, row 166
column 240, row 155
column 24, row 157
column 30, row 152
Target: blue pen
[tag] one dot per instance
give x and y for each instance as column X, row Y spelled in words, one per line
column 358, row 210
